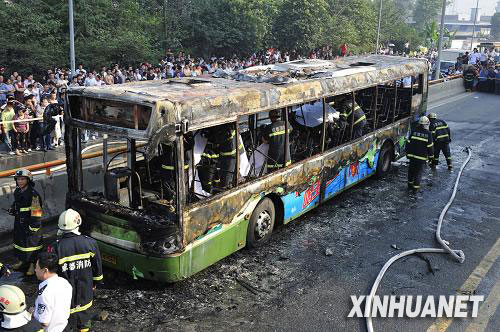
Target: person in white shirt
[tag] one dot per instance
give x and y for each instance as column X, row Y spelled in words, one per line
column 53, row 304
column 474, row 57
column 483, row 57
column 32, row 90
column 90, row 80
column 80, row 70
column 29, row 80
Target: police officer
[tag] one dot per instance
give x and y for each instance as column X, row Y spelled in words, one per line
column 419, row 150
column 80, row 264
column 441, row 135
column 27, row 209
column 14, row 316
column 274, row 135
column 53, row 303
column 347, row 115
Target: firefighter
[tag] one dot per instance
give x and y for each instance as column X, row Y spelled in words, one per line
column 419, row 150
column 359, row 117
column 27, row 209
column 167, row 159
column 274, row 135
column 226, row 143
column 441, row 135
column 80, row 264
column 470, row 75
column 208, row 172
column 14, row 316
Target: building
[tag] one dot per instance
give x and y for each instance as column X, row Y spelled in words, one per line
column 464, row 28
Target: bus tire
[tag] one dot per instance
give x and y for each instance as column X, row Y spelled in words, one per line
column 261, row 224
column 384, row 163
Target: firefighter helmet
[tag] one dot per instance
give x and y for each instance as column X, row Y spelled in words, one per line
column 12, row 300
column 69, row 220
column 433, row 116
column 424, row 121
column 23, row 172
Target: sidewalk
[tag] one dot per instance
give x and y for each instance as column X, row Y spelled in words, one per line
column 8, row 161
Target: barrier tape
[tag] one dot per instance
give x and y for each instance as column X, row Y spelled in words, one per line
column 29, row 120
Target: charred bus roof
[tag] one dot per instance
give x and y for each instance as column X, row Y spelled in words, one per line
column 206, row 102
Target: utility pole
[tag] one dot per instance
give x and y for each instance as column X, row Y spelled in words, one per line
column 474, row 26
column 440, row 43
column 71, row 39
column 378, row 28
column 165, row 22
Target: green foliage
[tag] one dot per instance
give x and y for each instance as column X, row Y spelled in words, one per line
column 432, row 34
column 495, row 26
column 301, row 24
column 35, row 33
column 426, row 12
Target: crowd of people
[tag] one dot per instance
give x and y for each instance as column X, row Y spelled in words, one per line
column 28, row 123
column 481, row 70
column 31, row 113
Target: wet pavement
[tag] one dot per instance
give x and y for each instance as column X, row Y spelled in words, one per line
column 303, row 278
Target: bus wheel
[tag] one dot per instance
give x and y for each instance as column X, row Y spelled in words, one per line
column 261, row 223
column 384, row 162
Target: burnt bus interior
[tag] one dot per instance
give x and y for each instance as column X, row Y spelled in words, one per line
column 222, row 157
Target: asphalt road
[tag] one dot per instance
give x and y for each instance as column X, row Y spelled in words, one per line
column 292, row 285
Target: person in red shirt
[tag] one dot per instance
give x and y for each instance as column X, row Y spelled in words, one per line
column 343, row 49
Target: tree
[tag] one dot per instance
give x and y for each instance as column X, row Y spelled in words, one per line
column 432, row 34
column 302, row 24
column 354, row 22
column 103, row 33
column 495, row 26
column 426, row 12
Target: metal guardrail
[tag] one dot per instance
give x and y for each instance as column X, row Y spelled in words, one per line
column 449, row 78
column 50, row 164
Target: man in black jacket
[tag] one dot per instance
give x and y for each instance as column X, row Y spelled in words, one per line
column 441, row 135
column 80, row 264
column 355, row 115
column 419, row 150
column 274, row 135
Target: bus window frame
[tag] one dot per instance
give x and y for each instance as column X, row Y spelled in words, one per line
column 88, row 102
column 181, row 190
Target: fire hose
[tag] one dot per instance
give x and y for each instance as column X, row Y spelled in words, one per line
column 457, row 254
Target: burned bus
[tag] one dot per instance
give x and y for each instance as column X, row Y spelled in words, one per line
column 200, row 176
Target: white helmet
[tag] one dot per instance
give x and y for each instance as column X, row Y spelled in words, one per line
column 432, row 116
column 12, row 300
column 424, row 121
column 69, row 220
column 24, row 173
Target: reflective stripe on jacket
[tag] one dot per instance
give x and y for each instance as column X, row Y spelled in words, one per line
column 420, row 145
